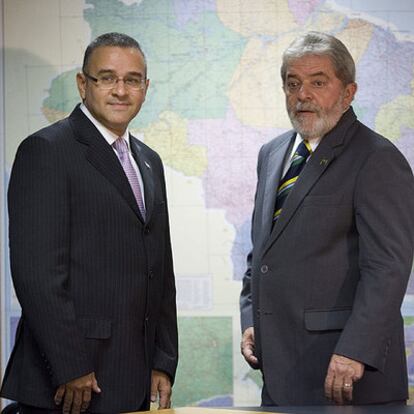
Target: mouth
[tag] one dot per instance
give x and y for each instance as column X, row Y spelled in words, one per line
column 305, row 112
column 306, row 109
column 119, row 105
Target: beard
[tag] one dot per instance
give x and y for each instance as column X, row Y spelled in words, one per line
column 326, row 119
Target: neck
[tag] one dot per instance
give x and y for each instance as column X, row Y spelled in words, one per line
column 312, row 140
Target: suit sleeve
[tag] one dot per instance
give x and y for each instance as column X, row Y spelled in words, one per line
column 39, row 236
column 384, row 206
column 166, row 337
column 246, row 305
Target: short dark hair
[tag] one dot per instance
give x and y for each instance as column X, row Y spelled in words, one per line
column 111, row 39
column 322, row 44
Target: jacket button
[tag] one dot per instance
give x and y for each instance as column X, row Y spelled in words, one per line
column 146, row 230
column 150, row 274
column 264, row 269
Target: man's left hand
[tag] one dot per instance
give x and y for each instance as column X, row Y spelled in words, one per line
column 341, row 375
column 161, row 386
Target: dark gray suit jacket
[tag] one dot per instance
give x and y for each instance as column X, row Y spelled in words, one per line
column 95, row 281
column 331, row 275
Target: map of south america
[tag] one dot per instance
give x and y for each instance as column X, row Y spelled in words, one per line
column 215, row 98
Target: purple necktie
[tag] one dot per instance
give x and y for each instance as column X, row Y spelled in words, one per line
column 123, row 154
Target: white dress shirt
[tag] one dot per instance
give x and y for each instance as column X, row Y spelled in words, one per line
column 298, row 140
column 110, row 138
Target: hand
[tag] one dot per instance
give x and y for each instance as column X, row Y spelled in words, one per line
column 342, row 373
column 161, row 385
column 76, row 394
column 247, row 348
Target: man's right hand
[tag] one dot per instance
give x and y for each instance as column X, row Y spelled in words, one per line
column 247, row 348
column 76, row 394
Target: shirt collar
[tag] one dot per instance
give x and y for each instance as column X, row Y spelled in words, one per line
column 313, row 144
column 109, row 136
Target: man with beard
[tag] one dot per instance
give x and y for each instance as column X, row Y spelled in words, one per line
column 333, row 237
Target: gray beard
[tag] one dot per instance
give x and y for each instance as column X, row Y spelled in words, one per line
column 323, row 124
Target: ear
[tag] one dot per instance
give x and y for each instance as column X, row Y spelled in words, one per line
column 144, row 92
column 81, row 82
column 349, row 93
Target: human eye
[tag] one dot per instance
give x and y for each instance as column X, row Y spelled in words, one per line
column 133, row 82
column 292, row 85
column 319, row 83
column 107, row 79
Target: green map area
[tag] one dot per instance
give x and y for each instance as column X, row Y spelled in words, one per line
column 205, row 366
column 193, row 67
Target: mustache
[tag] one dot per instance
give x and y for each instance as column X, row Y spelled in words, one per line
column 306, row 106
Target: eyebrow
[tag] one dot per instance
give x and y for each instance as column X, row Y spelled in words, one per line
column 320, row 73
column 133, row 73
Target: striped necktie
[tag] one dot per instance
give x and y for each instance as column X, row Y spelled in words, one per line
column 297, row 163
column 123, row 154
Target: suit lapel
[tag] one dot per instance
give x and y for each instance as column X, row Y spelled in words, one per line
column 145, row 168
column 102, row 156
column 275, row 163
column 309, row 176
column 329, row 148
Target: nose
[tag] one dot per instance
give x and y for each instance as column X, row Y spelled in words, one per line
column 119, row 88
column 304, row 93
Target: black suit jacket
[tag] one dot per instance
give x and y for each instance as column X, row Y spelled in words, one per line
column 331, row 274
column 95, row 281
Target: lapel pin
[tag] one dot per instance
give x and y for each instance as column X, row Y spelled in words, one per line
column 148, row 166
column 324, row 161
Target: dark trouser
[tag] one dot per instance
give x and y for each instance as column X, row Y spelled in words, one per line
column 27, row 409
column 268, row 402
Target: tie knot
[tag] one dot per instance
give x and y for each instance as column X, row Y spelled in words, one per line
column 121, row 146
column 304, row 149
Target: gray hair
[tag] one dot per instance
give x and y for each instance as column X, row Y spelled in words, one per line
column 111, row 39
column 322, row 44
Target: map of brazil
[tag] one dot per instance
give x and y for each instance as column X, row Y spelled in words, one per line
column 215, row 98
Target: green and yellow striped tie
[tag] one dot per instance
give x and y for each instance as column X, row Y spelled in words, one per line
column 288, row 181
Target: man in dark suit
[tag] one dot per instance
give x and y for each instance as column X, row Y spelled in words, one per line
column 333, row 237
column 90, row 252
